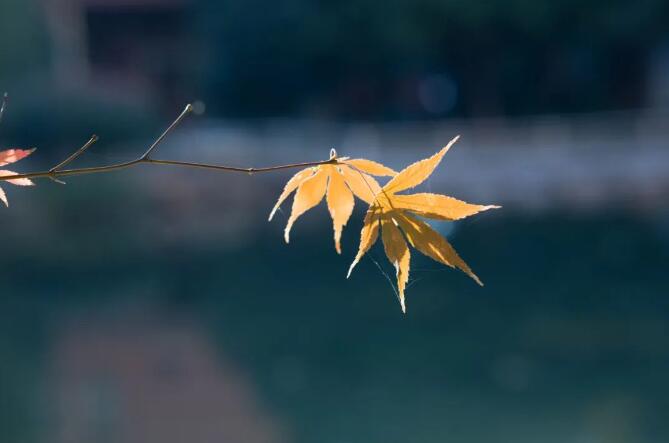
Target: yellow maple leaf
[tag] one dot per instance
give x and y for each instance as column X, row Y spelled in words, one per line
column 12, row 156
column 338, row 183
column 391, row 213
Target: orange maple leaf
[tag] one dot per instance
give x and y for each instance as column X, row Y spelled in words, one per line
column 12, row 156
column 338, row 182
column 391, row 213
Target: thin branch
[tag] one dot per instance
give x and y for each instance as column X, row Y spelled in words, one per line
column 126, row 165
column 187, row 110
column 76, row 154
column 3, row 106
column 57, row 170
column 238, row 169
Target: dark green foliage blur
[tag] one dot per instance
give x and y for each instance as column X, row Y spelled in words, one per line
column 365, row 59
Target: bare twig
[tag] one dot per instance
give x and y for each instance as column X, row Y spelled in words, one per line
column 57, row 170
column 187, row 110
column 55, row 180
column 237, row 169
column 76, row 154
column 3, row 106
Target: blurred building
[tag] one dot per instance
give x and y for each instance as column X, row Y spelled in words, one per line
column 658, row 78
column 406, row 61
column 125, row 50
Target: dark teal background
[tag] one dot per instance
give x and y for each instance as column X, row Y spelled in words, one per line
column 158, row 305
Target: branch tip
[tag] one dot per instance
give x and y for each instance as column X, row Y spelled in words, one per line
column 187, row 110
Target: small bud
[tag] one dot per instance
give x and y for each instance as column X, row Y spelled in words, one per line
column 198, row 107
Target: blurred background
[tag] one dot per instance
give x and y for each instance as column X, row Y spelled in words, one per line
column 158, row 305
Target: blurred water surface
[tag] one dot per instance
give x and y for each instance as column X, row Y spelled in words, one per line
column 146, row 314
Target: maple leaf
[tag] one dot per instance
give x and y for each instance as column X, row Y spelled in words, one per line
column 338, row 183
column 12, row 156
column 391, row 213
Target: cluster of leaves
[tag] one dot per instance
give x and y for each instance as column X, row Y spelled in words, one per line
column 12, row 156
column 393, row 214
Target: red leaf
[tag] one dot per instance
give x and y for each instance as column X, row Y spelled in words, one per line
column 14, row 155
